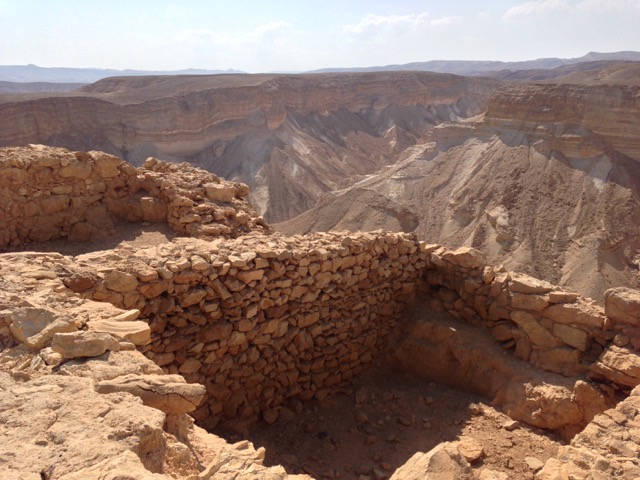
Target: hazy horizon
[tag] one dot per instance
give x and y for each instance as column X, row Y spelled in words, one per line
column 285, row 35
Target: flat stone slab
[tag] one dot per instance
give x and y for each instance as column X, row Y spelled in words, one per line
column 169, row 393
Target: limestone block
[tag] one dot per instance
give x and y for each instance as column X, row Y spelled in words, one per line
column 536, row 303
column 470, row 448
column 193, row 297
column 242, row 189
column 219, row 331
column 623, row 305
column 136, row 332
column 237, row 338
column 562, row 297
column 120, row 281
column 111, row 365
column 502, row 332
column 220, row 192
column 248, row 276
column 169, row 393
column 81, row 232
column 80, row 281
column 572, row 336
column 575, row 313
column 12, row 177
column 106, row 165
column 35, row 326
column 466, row 257
column 191, row 365
column 76, row 169
column 522, row 283
column 560, row 360
column 153, row 210
column 536, row 332
column 83, row 344
column 620, row 365
column 55, row 203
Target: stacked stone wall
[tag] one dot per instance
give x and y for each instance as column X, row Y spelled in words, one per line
column 541, row 323
column 263, row 319
column 48, row 193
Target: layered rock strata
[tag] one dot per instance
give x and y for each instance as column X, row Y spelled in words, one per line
column 544, row 182
column 292, row 138
column 568, row 113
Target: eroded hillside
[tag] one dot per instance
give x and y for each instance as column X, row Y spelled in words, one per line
column 547, row 181
column 290, row 138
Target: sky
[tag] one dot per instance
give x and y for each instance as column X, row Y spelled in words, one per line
column 299, row 35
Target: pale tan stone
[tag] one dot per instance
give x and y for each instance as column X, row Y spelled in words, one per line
column 136, row 332
column 571, row 313
column 444, row 462
column 471, row 449
column 572, row 336
column 522, row 283
column 536, row 332
column 623, row 305
column 620, row 365
column 220, row 192
column 169, row 393
column 83, row 344
column 535, row 303
column 120, row 281
column 35, row 326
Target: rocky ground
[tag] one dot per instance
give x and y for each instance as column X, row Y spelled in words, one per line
column 384, row 418
column 100, row 341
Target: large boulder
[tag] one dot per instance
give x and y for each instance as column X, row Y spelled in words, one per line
column 443, row 462
column 623, row 305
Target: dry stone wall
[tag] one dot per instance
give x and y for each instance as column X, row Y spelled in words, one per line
column 262, row 319
column 48, row 193
column 541, row 323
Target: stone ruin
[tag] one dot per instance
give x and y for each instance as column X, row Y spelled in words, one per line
column 229, row 320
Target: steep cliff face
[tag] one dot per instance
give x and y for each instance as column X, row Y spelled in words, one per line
column 547, row 182
column 291, row 138
column 582, row 120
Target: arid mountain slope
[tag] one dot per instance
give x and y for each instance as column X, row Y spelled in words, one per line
column 548, row 182
column 291, row 138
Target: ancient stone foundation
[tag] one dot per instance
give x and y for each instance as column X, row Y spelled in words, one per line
column 262, row 319
column 252, row 321
column 53, row 193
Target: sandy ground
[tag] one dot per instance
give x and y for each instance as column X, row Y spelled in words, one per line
column 125, row 234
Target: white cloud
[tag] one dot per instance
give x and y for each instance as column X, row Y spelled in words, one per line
column 378, row 22
column 608, row 5
column 239, row 38
column 535, row 7
column 440, row 22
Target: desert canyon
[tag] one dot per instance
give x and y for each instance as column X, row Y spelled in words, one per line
column 377, row 275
